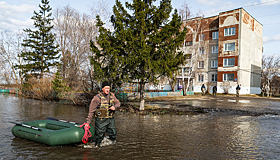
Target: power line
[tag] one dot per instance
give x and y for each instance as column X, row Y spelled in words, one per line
column 261, row 3
column 269, row 15
column 252, row 5
column 271, row 24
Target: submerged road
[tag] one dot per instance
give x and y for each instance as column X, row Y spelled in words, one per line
column 227, row 131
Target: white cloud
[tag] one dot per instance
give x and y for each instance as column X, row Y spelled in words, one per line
column 270, row 2
column 208, row 2
column 220, row 6
column 15, row 17
column 270, row 39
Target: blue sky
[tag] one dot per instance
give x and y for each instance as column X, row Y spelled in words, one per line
column 15, row 14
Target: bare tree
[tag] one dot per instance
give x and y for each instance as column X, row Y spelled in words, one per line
column 270, row 72
column 101, row 9
column 276, row 83
column 74, row 32
column 194, row 44
column 196, row 48
column 172, row 81
column 185, row 12
column 10, row 47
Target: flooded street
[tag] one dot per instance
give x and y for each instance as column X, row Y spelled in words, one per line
column 224, row 133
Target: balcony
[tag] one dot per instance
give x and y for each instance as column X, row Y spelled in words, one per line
column 213, row 42
column 186, row 75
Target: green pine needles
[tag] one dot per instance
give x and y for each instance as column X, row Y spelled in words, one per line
column 58, row 85
column 143, row 45
column 41, row 51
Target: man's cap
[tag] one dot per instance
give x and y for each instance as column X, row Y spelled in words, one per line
column 105, row 83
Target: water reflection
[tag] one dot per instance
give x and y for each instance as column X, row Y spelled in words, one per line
column 238, row 100
column 232, row 100
column 215, row 135
column 244, row 101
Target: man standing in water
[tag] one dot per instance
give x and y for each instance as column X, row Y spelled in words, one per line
column 103, row 107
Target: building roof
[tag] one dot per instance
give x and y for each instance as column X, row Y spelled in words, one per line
column 196, row 18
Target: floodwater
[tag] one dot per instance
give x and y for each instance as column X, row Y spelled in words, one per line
column 214, row 135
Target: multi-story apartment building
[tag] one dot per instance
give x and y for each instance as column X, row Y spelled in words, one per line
column 225, row 50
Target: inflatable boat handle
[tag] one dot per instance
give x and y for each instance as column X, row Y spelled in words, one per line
column 24, row 125
column 50, row 118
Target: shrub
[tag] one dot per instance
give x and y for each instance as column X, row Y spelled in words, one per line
column 38, row 88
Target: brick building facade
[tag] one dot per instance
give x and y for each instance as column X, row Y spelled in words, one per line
column 224, row 50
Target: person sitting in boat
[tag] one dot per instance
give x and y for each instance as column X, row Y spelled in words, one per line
column 103, row 107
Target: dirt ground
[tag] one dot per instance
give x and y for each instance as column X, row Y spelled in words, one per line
column 251, row 105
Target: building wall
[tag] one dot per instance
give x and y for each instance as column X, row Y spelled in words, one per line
column 228, row 20
column 247, row 52
column 251, row 44
column 196, row 27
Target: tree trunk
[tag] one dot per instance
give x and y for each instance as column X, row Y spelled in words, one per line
column 142, row 100
column 189, row 78
column 268, row 88
column 184, row 88
column 172, row 85
column 188, row 84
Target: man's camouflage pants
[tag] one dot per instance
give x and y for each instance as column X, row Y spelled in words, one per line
column 105, row 125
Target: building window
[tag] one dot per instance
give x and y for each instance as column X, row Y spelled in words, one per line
column 229, row 31
column 201, row 64
column 214, row 64
column 229, row 47
column 189, row 43
column 228, row 77
column 214, row 78
column 215, row 49
column 201, row 37
column 187, row 69
column 229, row 62
column 200, row 78
column 201, row 50
column 215, row 35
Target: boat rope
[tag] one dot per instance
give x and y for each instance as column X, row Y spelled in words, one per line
column 87, row 134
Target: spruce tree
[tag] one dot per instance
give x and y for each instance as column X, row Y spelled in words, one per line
column 59, row 85
column 143, row 45
column 41, row 51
